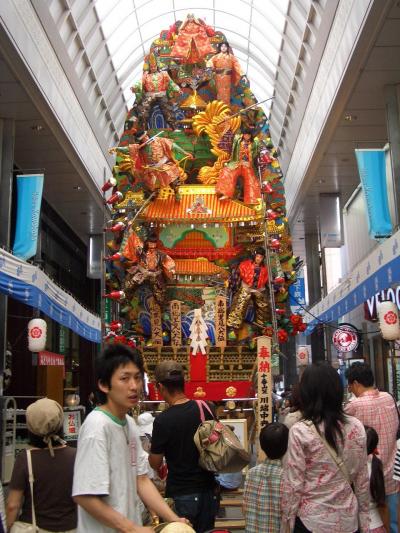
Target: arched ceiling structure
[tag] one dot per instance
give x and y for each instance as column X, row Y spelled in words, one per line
column 254, row 29
column 106, row 41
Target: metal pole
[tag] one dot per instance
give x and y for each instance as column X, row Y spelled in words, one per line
column 103, row 270
column 268, row 261
column 394, row 370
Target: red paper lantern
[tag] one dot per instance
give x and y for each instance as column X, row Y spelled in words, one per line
column 119, row 226
column 115, row 198
column 114, row 257
column 115, row 325
column 112, row 182
column 115, row 295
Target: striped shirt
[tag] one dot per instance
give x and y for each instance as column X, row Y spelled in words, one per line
column 262, row 497
column 396, row 469
column 378, row 410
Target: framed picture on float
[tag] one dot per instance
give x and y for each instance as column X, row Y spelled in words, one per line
column 239, row 426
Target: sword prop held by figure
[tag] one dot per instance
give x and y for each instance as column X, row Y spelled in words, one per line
column 245, row 109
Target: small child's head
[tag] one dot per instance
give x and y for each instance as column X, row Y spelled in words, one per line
column 372, row 439
column 274, row 440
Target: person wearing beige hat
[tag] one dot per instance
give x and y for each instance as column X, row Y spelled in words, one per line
column 111, row 466
column 52, row 467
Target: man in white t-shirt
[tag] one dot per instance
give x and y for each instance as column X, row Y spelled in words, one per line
column 110, row 467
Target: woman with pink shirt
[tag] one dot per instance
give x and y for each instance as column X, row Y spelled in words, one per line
column 325, row 479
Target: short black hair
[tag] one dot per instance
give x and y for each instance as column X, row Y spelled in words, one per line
column 259, row 251
column 274, row 440
column 249, row 131
column 360, row 372
column 112, row 357
column 219, row 45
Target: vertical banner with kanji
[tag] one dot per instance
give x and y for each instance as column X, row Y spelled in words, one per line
column 156, row 325
column 220, row 321
column 176, row 324
column 264, row 385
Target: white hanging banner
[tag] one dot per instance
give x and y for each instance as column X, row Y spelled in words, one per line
column 30, row 285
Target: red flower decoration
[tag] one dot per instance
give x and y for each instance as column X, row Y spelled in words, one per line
column 296, row 319
column 36, row 332
column 390, row 318
column 282, row 335
column 268, row 331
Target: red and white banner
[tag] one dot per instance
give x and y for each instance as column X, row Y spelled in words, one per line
column 46, row 358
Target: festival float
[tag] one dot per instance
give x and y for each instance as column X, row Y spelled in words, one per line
column 199, row 252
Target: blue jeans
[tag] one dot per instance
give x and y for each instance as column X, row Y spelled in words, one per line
column 392, row 501
column 200, row 508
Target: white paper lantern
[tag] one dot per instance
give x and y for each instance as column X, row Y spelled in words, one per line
column 389, row 320
column 37, row 333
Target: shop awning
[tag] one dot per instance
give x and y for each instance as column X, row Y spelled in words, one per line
column 27, row 283
column 378, row 271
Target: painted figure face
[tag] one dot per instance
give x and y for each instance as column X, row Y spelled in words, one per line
column 224, row 48
column 247, row 136
column 126, row 387
column 152, row 245
column 258, row 259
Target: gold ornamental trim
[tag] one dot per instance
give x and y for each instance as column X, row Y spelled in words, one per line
column 231, row 392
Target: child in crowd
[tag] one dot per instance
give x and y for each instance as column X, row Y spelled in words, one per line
column 376, row 483
column 263, row 485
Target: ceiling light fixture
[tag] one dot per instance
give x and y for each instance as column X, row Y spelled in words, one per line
column 77, row 188
column 350, row 117
column 37, row 127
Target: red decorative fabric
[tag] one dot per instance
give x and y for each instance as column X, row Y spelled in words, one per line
column 246, row 271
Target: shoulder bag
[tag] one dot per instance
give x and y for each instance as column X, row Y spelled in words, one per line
column 24, row 527
column 219, row 448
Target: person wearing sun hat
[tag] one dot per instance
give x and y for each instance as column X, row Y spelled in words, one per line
column 52, row 466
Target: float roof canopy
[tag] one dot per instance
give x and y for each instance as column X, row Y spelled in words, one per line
column 198, row 204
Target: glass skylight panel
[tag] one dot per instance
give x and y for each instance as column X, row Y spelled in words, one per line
column 104, row 7
column 151, row 29
column 253, row 28
column 240, row 7
column 226, row 23
column 129, row 97
column 115, row 16
column 190, row 5
column 133, row 64
column 125, row 35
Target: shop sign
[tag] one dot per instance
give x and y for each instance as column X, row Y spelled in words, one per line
column 72, row 424
column 46, row 358
column 345, row 338
column 371, row 304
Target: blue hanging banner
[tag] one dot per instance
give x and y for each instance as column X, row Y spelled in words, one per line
column 29, row 200
column 297, row 294
column 372, row 170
